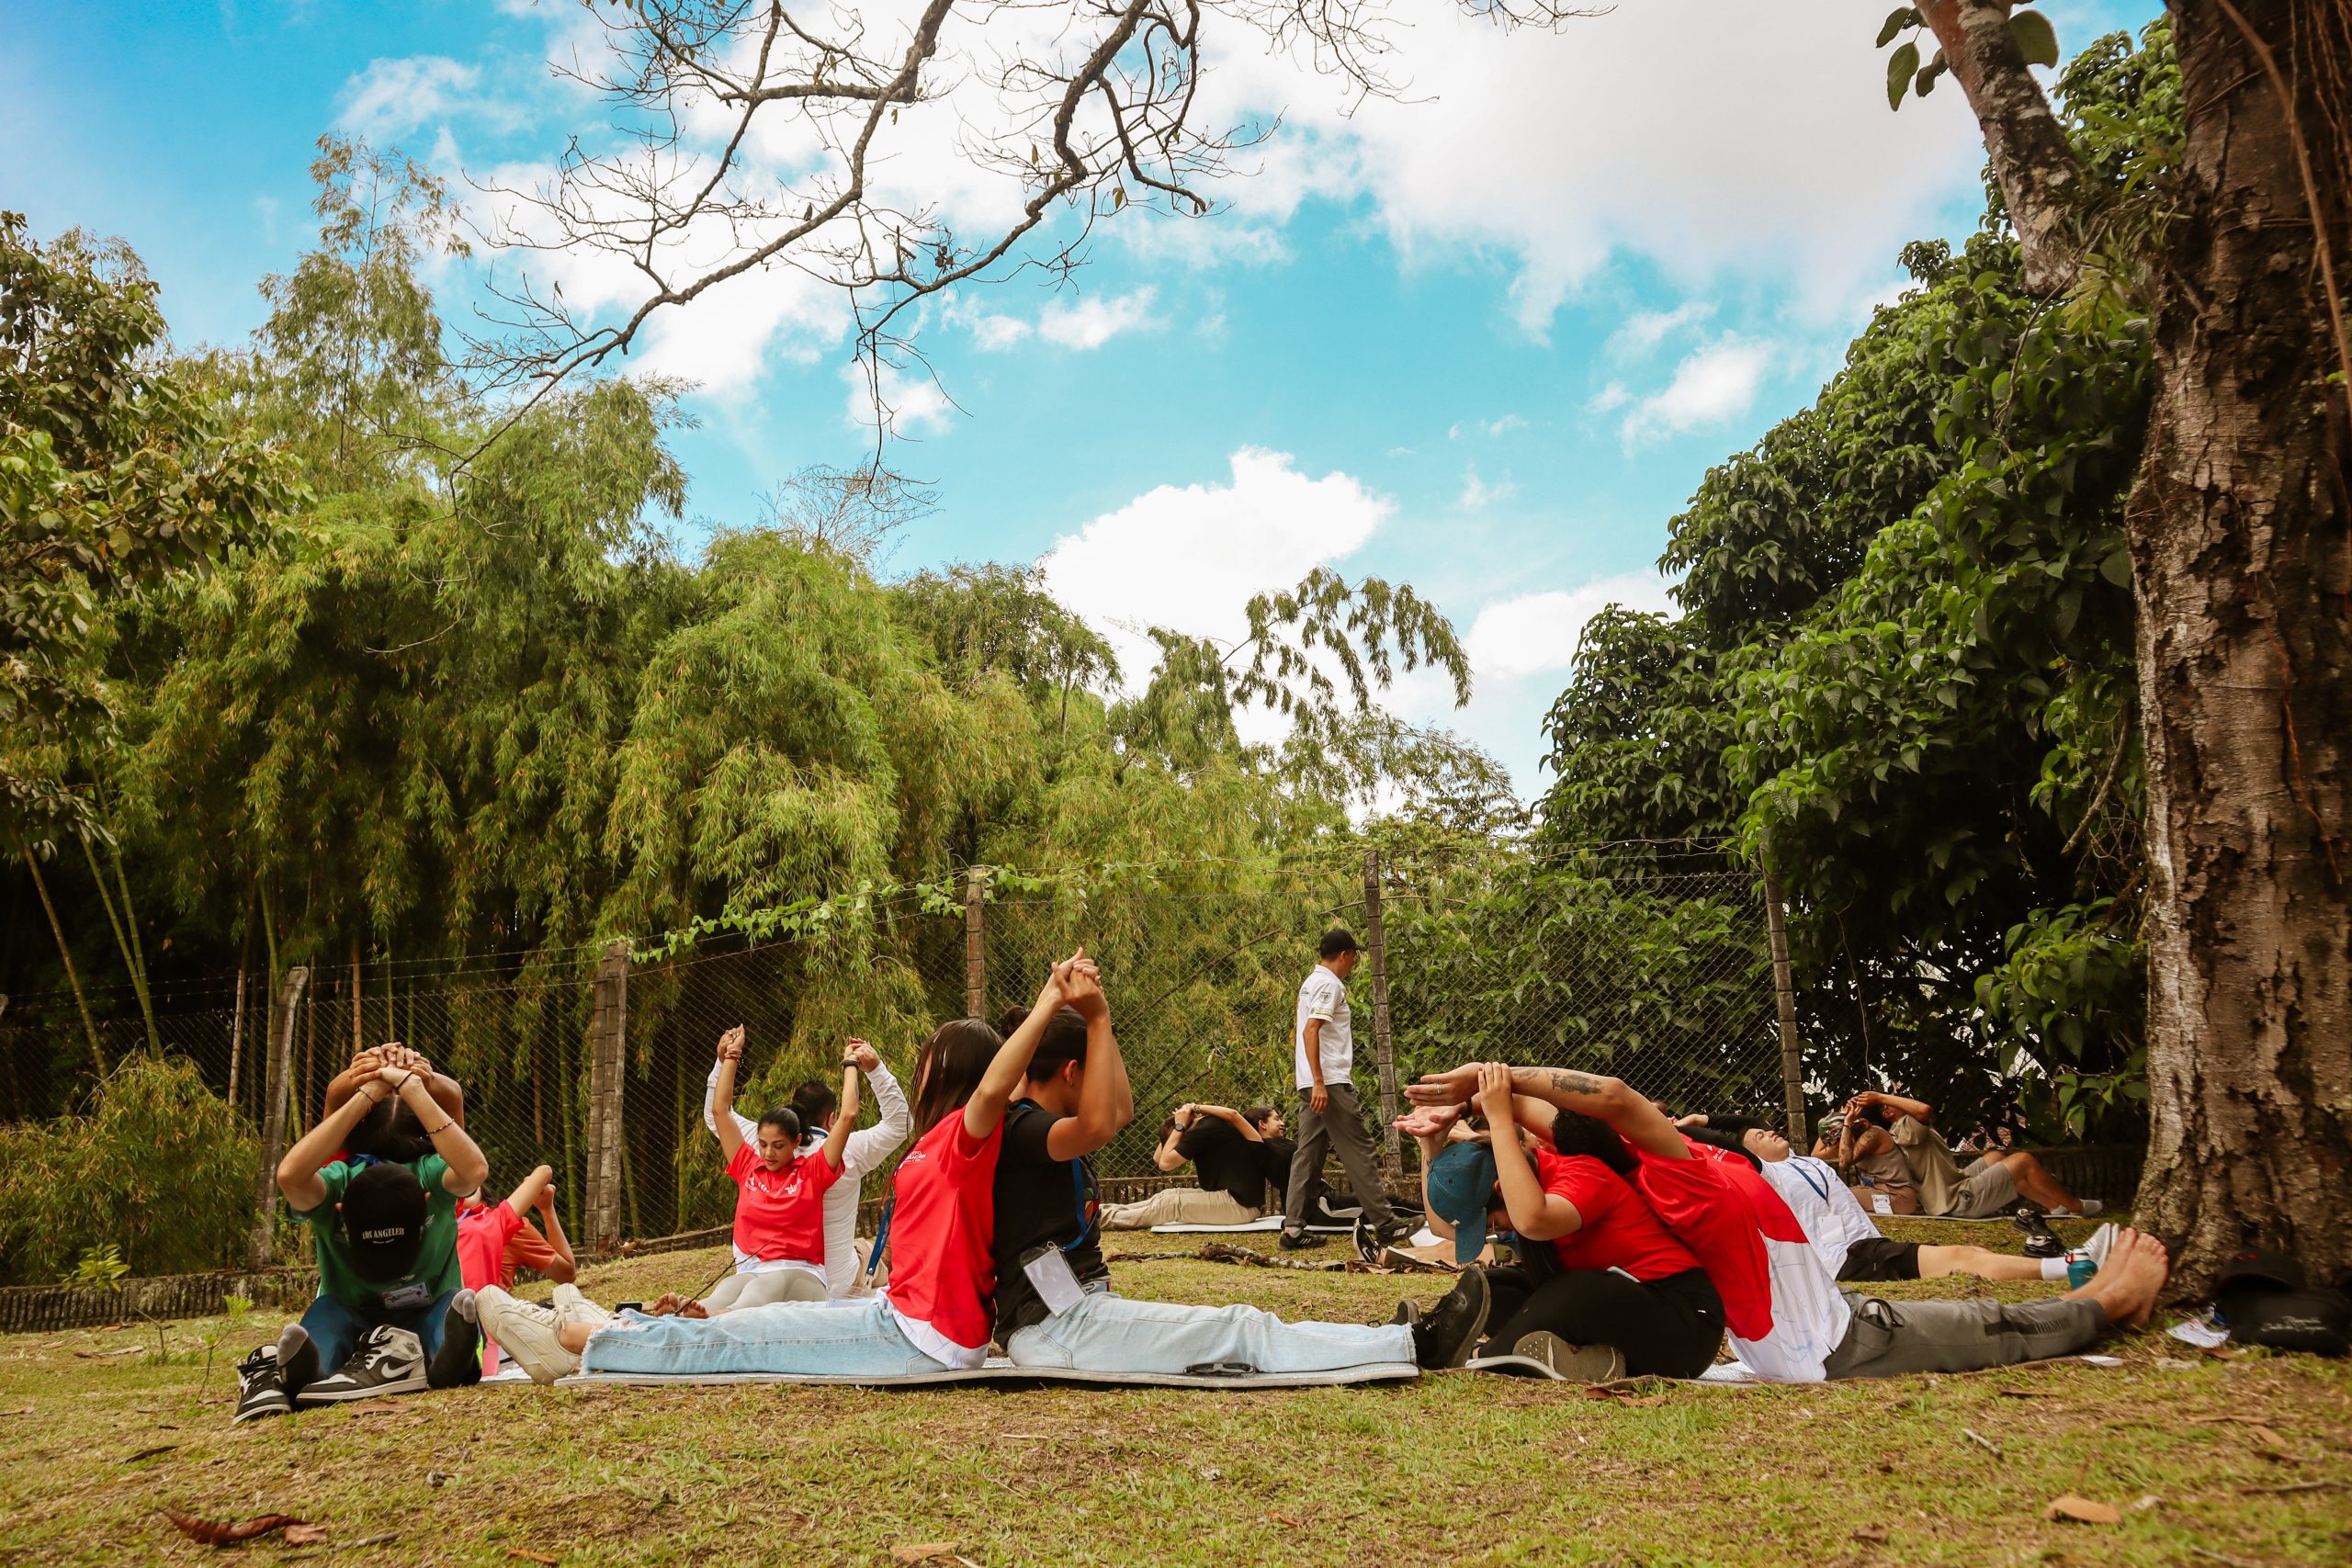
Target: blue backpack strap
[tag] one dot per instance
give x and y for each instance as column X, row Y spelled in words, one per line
column 881, row 1237
column 1079, row 1173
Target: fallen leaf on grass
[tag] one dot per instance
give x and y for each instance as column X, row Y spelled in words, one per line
column 100, row 1354
column 1281, row 1519
column 25, row 1411
column 1874, row 1534
column 922, row 1551
column 530, row 1556
column 150, row 1453
column 2082, row 1511
column 220, row 1532
column 305, row 1535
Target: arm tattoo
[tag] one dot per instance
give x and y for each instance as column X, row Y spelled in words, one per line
column 1568, row 1082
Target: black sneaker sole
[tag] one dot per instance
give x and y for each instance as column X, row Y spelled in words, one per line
column 255, row 1412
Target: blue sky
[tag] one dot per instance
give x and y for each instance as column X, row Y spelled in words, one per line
column 1487, row 340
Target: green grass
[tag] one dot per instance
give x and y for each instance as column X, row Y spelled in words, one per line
column 2244, row 1458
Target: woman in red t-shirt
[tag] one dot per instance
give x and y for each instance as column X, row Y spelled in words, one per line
column 779, row 1192
column 1612, row 1293
column 938, row 1310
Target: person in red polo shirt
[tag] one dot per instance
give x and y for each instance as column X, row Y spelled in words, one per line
column 780, row 1193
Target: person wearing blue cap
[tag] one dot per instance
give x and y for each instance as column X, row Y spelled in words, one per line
column 1603, row 1291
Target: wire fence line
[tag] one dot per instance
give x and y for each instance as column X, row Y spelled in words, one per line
column 1647, row 962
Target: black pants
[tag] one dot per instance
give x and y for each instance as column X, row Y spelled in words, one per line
column 1670, row 1327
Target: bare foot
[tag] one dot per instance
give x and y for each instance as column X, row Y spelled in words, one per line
column 2128, row 1283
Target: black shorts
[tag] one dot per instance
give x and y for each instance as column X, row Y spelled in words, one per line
column 1881, row 1259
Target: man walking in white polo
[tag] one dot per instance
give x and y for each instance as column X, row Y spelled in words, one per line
column 1328, row 1114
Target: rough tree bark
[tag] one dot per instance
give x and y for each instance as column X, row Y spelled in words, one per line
column 2238, row 527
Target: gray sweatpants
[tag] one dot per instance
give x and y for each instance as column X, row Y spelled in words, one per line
column 1340, row 1126
column 1888, row 1339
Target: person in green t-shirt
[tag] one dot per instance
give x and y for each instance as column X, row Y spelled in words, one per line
column 393, row 1315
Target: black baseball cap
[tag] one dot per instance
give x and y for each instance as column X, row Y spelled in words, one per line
column 2255, row 1263
column 383, row 1221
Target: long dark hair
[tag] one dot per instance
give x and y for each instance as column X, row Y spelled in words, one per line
column 949, row 1068
column 1574, row 1133
column 391, row 1132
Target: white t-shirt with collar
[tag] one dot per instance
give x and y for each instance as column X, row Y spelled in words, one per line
column 1324, row 995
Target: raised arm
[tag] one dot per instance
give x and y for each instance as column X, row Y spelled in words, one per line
column 870, row 1146
column 722, row 1093
column 1167, row 1157
column 1106, row 1103
column 527, row 1194
column 1635, row 1118
column 1918, row 1109
column 744, row 1124
column 1534, row 1214
column 562, row 1268
column 1010, row 1067
column 298, row 1172
column 1430, row 1126
column 1239, row 1122
column 844, row 1120
column 446, row 1090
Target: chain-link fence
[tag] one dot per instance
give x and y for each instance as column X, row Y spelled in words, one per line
column 1648, row 963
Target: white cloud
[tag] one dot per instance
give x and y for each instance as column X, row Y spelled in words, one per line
column 1537, row 633
column 1610, row 398
column 391, row 98
column 1644, row 330
column 1492, row 427
column 1091, row 322
column 1477, row 494
column 1711, row 385
column 994, row 333
column 1190, row 557
column 912, row 404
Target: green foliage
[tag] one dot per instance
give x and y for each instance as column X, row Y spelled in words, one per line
column 158, row 1168
column 98, row 1266
column 1903, row 672
column 118, row 473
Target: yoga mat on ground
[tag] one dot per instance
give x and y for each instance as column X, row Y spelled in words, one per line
column 999, row 1369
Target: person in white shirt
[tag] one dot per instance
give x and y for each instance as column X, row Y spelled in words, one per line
column 863, row 1154
column 1323, row 1051
column 1838, row 1226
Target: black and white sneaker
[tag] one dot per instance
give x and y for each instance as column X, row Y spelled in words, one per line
column 260, row 1389
column 1369, row 1245
column 1449, row 1330
column 1299, row 1241
column 2041, row 1241
column 298, row 1360
column 388, row 1360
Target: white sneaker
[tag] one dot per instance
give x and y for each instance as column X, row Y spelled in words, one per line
column 571, row 1306
column 2101, row 1239
column 526, row 1331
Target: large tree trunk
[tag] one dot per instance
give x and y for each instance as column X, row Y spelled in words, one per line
column 2243, row 574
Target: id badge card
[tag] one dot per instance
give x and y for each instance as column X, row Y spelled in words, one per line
column 1881, row 1203
column 407, row 1297
column 1049, row 1272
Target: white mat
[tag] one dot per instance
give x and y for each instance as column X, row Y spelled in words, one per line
column 1423, row 1237
column 999, row 1369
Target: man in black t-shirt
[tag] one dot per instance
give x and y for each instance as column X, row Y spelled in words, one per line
column 1234, row 1152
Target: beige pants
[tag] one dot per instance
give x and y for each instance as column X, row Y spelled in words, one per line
column 739, row 1290
column 1177, row 1206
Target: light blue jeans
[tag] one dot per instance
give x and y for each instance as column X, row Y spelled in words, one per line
column 859, row 1338
column 1107, row 1333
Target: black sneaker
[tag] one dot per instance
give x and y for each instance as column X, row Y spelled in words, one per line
column 298, row 1360
column 388, row 1360
column 2041, row 1241
column 1369, row 1245
column 1299, row 1241
column 1409, row 1313
column 1396, row 1233
column 1447, row 1331
column 260, row 1391
column 458, row 1360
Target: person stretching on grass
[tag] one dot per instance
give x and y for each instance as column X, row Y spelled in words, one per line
column 1847, row 1238
column 1874, row 1124
column 780, row 1191
column 1787, row 1320
column 819, row 1111
column 936, row 1311
column 494, row 1241
column 1601, row 1291
column 393, row 1314
column 1235, row 1153
column 1055, row 1307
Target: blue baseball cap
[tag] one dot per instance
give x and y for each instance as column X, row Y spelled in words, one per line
column 1462, row 1189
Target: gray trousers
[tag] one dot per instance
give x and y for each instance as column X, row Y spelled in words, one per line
column 1341, row 1127
column 1888, row 1339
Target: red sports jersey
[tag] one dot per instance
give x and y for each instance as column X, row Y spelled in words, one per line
column 781, row 1213
column 1619, row 1231
column 943, row 1233
column 482, row 1237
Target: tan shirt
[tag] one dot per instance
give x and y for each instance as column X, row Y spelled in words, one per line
column 1930, row 1157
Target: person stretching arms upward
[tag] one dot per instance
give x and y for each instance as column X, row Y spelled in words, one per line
column 779, row 1237
column 936, row 1311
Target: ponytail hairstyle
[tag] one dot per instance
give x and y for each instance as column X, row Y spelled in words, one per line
column 949, row 1069
column 1574, row 1133
column 814, row 1103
